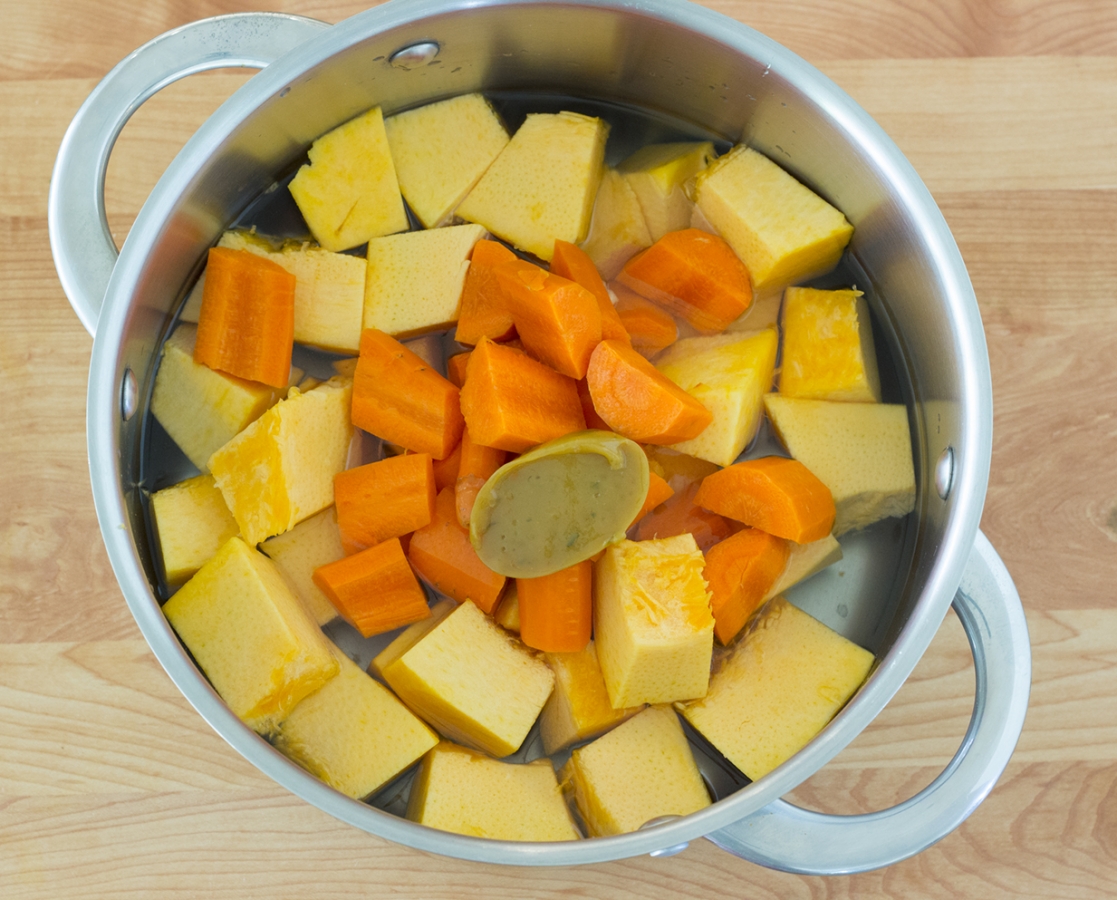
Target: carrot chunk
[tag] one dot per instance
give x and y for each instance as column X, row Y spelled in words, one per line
column 384, row 499
column 679, row 514
column 446, row 470
column 246, row 326
column 593, row 420
column 442, row 554
column 558, row 320
column 399, row 397
column 556, row 610
column 649, row 328
column 693, row 274
column 639, row 402
column 739, row 572
column 512, row 402
column 483, row 312
column 455, row 368
column 478, row 463
column 779, row 496
column 658, row 492
column 374, row 590
column 571, row 262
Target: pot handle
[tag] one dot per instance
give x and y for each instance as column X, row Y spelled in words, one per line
column 784, row 836
column 80, row 240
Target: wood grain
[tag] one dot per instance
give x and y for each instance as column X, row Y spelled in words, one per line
column 111, row 785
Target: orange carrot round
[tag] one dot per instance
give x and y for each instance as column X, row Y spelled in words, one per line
column 679, row 514
column 556, row 610
column 658, row 492
column 483, row 312
column 384, row 499
column 649, row 328
column 572, row 262
column 739, row 572
column 478, row 462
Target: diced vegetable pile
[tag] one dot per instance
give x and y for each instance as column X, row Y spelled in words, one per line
column 567, row 485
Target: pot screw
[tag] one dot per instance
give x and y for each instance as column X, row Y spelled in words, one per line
column 414, row 56
column 944, row 473
column 129, row 395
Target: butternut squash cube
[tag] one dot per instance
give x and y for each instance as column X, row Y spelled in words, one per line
column 200, row 408
column 251, row 636
column 637, row 772
column 298, row 552
column 349, row 192
column 777, row 689
column 729, row 374
column 465, row 792
column 803, row 562
column 441, row 150
column 781, row 229
column 192, row 522
column 414, row 281
column 860, row 451
column 578, row 708
column 828, row 351
column 617, row 228
column 280, row 470
column 353, row 733
column 652, row 623
column 543, row 184
column 658, row 174
column 471, row 680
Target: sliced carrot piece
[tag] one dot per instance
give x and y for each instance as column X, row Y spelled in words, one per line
column 679, row 514
column 246, row 326
column 572, row 262
column 593, row 420
column 558, row 320
column 374, row 590
column 478, row 463
column 739, row 572
column 693, row 274
column 556, row 611
column 640, row 402
column 446, row 470
column 455, row 368
column 442, row 554
column 650, row 329
column 384, row 499
column 512, row 402
column 658, row 492
column 399, row 397
column 483, row 313
column 779, row 496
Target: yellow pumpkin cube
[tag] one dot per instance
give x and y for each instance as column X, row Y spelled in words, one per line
column 353, row 733
column 349, row 193
column 729, row 374
column 639, row 771
column 191, row 522
column 578, row 708
column 777, row 689
column 297, row 553
column 441, row 150
column 542, row 185
column 658, row 174
column 651, row 621
column 280, row 470
column 617, row 228
column 251, row 635
column 466, row 792
column 860, row 451
column 782, row 230
column 200, row 408
column 828, row 351
column 471, row 680
column 803, row 562
column 414, row 280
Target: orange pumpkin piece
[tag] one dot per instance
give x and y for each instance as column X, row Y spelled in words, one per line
column 246, row 326
column 384, row 499
column 679, row 514
column 374, row 590
column 442, row 554
column 477, row 464
column 779, row 496
column 512, row 402
column 572, row 262
column 556, row 610
column 739, row 571
column 640, row 402
column 693, row 274
column 483, row 312
column 649, row 328
column 401, row 398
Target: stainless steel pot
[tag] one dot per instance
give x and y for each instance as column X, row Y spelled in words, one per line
column 692, row 66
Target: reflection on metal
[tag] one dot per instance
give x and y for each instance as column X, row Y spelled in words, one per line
column 416, row 55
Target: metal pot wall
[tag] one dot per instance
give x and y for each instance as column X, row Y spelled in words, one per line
column 691, row 66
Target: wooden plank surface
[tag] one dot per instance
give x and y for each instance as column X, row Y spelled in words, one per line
column 111, row 785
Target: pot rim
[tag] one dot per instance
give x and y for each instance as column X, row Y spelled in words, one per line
column 970, row 471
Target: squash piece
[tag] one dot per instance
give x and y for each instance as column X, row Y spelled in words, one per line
column 191, row 522
column 617, row 229
column 298, row 552
column 658, row 174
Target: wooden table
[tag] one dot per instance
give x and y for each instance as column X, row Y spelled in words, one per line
column 110, row 784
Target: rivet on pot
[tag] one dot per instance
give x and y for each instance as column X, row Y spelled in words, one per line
column 665, row 851
column 414, row 56
column 944, row 473
column 129, row 395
